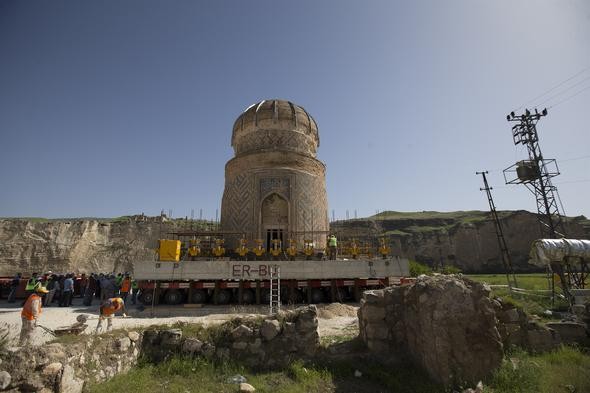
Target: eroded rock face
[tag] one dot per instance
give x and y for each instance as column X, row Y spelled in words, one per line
column 466, row 240
column 446, row 324
column 77, row 245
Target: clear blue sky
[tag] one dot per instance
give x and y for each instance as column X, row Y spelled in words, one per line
column 110, row 108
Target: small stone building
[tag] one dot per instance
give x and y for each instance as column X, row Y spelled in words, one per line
column 275, row 188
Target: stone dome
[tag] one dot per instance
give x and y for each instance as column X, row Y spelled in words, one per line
column 275, row 125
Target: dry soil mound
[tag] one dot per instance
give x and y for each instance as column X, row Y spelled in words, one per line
column 335, row 310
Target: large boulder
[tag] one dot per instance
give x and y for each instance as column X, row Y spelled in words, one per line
column 446, row 324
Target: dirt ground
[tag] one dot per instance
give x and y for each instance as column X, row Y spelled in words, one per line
column 334, row 319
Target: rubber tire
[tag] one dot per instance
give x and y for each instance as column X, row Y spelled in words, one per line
column 224, row 296
column 199, row 296
column 317, row 296
column 248, row 296
column 265, row 296
column 173, row 297
column 297, row 297
column 342, row 295
column 147, row 297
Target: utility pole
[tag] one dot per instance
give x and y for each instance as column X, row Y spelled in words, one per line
column 506, row 259
column 536, row 173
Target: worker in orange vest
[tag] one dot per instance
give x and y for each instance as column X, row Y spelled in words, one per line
column 125, row 287
column 30, row 313
column 108, row 309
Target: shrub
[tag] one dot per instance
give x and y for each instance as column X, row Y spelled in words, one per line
column 417, row 269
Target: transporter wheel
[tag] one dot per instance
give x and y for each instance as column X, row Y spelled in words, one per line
column 199, row 296
column 223, row 296
column 248, row 296
column 342, row 295
column 295, row 298
column 147, row 297
column 265, row 296
column 317, row 296
column 173, row 296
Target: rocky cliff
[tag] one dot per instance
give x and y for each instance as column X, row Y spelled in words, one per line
column 466, row 240
column 79, row 245
column 463, row 239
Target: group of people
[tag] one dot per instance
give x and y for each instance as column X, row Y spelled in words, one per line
column 105, row 286
column 62, row 288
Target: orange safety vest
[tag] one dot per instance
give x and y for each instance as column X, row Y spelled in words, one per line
column 27, row 311
column 126, row 285
column 110, row 307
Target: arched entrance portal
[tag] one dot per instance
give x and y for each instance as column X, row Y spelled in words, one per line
column 275, row 219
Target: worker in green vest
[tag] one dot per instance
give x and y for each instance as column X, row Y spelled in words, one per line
column 332, row 244
column 32, row 284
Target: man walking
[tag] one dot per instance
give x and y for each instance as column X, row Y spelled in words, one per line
column 14, row 284
column 51, row 287
column 29, row 315
column 90, row 289
column 68, row 292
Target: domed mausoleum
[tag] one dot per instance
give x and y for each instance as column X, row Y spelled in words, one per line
column 275, row 188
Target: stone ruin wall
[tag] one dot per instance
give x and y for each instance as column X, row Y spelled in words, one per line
column 272, row 342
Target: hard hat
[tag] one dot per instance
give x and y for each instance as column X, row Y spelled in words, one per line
column 41, row 289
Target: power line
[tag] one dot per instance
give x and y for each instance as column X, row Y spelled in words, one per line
column 563, row 91
column 574, row 181
column 575, row 159
column 553, row 88
column 569, row 98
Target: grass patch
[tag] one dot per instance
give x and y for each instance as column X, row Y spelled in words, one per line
column 534, row 281
column 427, row 229
column 565, row 370
column 200, row 375
column 429, row 215
column 397, row 232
